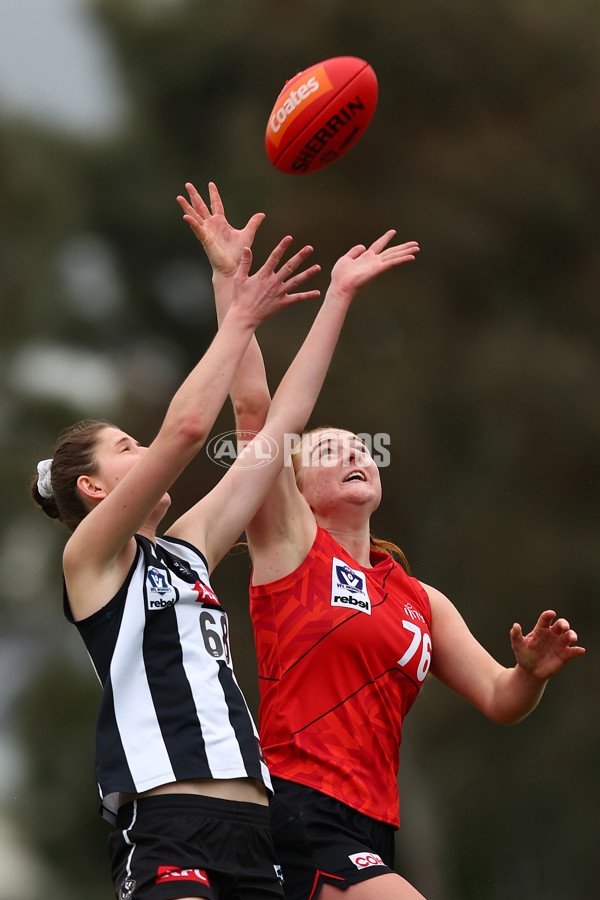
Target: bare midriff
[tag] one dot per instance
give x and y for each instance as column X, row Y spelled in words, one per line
column 246, row 790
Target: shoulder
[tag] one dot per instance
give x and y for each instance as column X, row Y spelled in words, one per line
column 283, row 570
column 88, row 591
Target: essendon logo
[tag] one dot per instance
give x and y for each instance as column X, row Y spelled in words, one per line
column 172, row 874
column 364, row 860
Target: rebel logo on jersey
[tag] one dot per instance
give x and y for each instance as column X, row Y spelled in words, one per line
column 349, row 587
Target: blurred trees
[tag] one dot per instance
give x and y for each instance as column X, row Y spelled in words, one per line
column 480, row 361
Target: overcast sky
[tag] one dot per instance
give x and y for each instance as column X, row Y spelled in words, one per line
column 55, row 65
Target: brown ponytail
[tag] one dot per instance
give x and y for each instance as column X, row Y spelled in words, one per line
column 74, row 455
column 392, row 549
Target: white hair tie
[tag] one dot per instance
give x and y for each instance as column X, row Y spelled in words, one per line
column 44, row 483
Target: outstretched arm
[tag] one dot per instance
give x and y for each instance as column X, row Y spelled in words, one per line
column 224, row 245
column 505, row 695
column 218, row 520
column 101, row 538
column 285, row 521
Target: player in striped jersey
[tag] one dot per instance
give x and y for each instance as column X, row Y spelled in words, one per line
column 345, row 638
column 177, row 756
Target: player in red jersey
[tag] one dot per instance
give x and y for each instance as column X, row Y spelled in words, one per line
column 345, row 637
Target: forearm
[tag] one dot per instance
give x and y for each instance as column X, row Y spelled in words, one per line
column 249, row 390
column 197, row 403
column 299, row 388
column 516, row 693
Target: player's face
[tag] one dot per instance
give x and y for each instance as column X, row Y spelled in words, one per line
column 337, row 469
column 116, row 453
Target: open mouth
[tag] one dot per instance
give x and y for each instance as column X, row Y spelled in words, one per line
column 354, row 476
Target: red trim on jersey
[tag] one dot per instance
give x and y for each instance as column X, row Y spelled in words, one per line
column 318, row 877
column 330, row 637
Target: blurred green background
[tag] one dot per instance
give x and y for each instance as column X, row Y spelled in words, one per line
column 480, row 361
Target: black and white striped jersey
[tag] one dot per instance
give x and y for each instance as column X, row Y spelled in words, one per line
column 171, row 708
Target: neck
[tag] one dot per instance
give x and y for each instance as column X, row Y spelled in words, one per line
column 354, row 538
column 150, row 526
column 148, row 531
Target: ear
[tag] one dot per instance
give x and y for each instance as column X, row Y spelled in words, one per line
column 90, row 489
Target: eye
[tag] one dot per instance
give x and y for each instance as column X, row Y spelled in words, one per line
column 328, row 449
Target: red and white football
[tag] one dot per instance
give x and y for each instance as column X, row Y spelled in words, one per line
column 320, row 114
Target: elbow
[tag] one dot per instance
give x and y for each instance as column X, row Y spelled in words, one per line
column 509, row 715
column 506, row 718
column 192, row 432
column 251, row 414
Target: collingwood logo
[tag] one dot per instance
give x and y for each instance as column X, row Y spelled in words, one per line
column 349, row 587
column 160, row 593
column 127, row 889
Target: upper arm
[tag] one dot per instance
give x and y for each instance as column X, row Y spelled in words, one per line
column 91, row 586
column 458, row 659
column 280, row 526
column 282, row 532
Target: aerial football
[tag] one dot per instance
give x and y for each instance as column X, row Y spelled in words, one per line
column 320, row 114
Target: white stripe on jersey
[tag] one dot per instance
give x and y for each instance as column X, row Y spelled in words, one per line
column 128, row 671
column 222, row 750
column 221, row 745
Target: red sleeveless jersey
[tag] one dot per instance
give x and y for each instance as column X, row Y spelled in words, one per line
column 342, row 653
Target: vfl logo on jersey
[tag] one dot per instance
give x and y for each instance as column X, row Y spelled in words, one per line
column 364, row 860
column 171, row 874
column 349, row 587
column 160, row 593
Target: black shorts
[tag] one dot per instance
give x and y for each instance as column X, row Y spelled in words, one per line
column 319, row 840
column 181, row 845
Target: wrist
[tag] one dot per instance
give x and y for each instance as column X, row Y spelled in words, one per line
column 240, row 318
column 341, row 294
column 222, row 276
column 528, row 675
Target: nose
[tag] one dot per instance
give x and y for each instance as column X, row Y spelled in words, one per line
column 351, row 454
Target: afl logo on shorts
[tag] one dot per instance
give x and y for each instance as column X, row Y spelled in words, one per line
column 349, row 587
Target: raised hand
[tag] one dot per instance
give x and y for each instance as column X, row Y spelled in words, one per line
column 223, row 243
column 270, row 289
column 361, row 264
column 547, row 648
